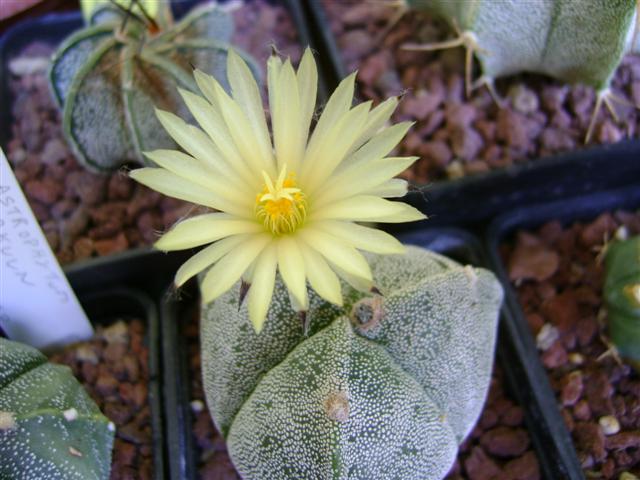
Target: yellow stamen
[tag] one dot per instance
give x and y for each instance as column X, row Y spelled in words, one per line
column 282, row 207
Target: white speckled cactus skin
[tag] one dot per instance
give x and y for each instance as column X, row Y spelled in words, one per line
column 575, row 41
column 385, row 387
column 108, row 82
column 50, row 429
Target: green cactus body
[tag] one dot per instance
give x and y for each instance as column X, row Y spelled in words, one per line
column 622, row 296
column 109, row 81
column 573, row 41
column 385, row 387
column 49, row 427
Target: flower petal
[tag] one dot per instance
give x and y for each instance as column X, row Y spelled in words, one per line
column 207, row 257
column 206, row 228
column 222, row 151
column 359, row 283
column 291, row 267
column 321, row 277
column 320, row 162
column 230, row 268
column 246, row 93
column 187, row 167
column 360, row 177
column 262, row 284
column 308, row 90
column 175, row 186
column 378, row 147
column 394, row 188
column 288, row 138
column 364, row 238
column 376, row 120
column 240, row 128
column 337, row 106
column 336, row 252
column 367, row 208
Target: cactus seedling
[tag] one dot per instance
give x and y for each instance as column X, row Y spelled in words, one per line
column 383, row 387
column 108, row 76
column 50, row 429
column 622, row 296
column 577, row 42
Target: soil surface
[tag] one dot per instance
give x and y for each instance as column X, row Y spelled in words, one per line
column 559, row 273
column 114, row 369
column 499, row 446
column 85, row 214
column 454, row 135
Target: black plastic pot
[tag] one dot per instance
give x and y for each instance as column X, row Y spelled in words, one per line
column 106, row 305
column 531, row 392
column 474, row 199
column 566, row 211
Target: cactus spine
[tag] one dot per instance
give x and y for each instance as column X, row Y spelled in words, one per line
column 577, row 42
column 622, row 296
column 109, row 77
column 50, row 429
column 384, row 387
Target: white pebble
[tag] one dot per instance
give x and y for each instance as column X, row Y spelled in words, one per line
column 7, row 421
column 546, row 336
column 111, row 427
column 197, row 406
column 609, row 424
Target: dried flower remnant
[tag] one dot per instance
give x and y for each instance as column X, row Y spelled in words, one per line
column 291, row 206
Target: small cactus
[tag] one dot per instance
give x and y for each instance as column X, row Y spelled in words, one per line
column 50, row 429
column 622, row 297
column 108, row 78
column 574, row 41
column 385, row 387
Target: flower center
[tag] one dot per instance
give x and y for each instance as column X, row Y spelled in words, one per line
column 282, row 207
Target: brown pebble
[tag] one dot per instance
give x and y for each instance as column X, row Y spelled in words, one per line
column 624, row 440
column 523, row 468
column 505, row 441
column 46, row 191
column 479, row 466
column 106, row 384
column 589, row 438
column 111, row 245
column 118, row 413
column 532, row 262
column 571, row 385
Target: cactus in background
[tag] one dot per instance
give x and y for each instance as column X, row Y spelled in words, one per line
column 622, row 296
column 109, row 76
column 577, row 42
column 49, row 427
column 386, row 386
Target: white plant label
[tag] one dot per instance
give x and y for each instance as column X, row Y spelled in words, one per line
column 37, row 304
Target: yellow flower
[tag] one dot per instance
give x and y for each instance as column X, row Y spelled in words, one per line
column 290, row 207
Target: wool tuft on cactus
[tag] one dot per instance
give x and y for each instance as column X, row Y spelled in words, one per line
column 574, row 41
column 107, row 77
column 384, row 387
column 50, row 429
column 622, row 296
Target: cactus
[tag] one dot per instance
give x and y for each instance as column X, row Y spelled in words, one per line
column 576, row 42
column 50, row 429
column 622, row 297
column 385, row 387
column 108, row 77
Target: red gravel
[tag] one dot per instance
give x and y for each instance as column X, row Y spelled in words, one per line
column 499, row 446
column 456, row 136
column 84, row 214
column 114, row 369
column 564, row 309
